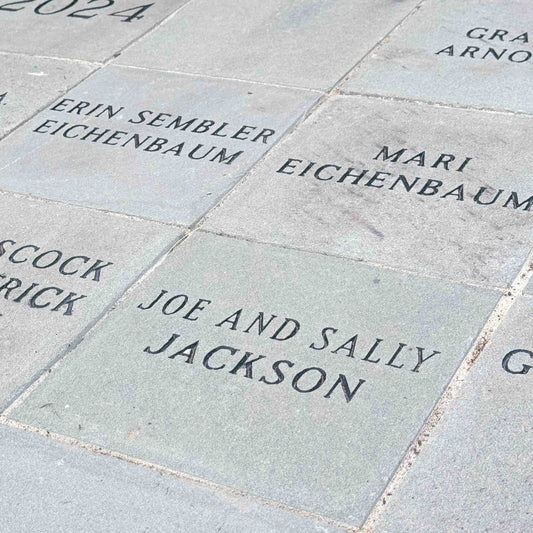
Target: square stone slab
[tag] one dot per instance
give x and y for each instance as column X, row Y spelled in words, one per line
column 55, row 487
column 468, row 53
column 475, row 473
column 396, row 184
column 239, row 362
column 162, row 146
column 61, row 267
column 77, row 29
column 305, row 43
column 28, row 84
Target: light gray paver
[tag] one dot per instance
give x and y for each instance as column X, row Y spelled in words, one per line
column 488, row 65
column 475, row 473
column 159, row 145
column 431, row 222
column 29, row 83
column 529, row 289
column 310, row 440
column 77, row 29
column 55, row 279
column 50, row 487
column 305, row 43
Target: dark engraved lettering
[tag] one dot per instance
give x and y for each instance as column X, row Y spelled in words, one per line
column 343, row 382
column 277, row 370
column 210, row 354
column 298, row 377
column 247, row 363
column 168, row 343
column 515, row 369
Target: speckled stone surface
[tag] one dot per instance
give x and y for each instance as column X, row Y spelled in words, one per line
column 164, row 147
column 286, row 426
column 248, row 248
column 398, row 184
column 48, row 486
column 476, row 472
column 61, row 267
column 77, row 30
column 30, row 83
column 476, row 54
column 303, row 43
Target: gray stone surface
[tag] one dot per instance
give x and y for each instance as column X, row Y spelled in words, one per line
column 143, row 175
column 306, row 43
column 529, row 288
column 476, row 471
column 416, row 61
column 436, row 232
column 84, row 31
column 326, row 450
column 28, row 84
column 50, row 487
column 34, row 329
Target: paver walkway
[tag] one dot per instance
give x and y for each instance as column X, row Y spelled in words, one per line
column 265, row 266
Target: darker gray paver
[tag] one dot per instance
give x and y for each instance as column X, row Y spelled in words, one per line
column 50, row 487
column 293, row 431
column 159, row 145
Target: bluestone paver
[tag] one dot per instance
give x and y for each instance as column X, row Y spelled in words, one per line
column 465, row 53
column 60, row 268
column 159, row 145
column 28, row 84
column 295, row 376
column 405, row 185
column 78, row 29
column 304, row 43
column 52, row 487
column 475, row 473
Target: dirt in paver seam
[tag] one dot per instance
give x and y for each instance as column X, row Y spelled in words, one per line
column 484, row 338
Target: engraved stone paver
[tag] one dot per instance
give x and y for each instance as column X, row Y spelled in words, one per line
column 468, row 53
column 28, row 84
column 60, row 268
column 93, row 31
column 163, row 146
column 438, row 191
column 306, row 43
column 295, row 376
column 475, row 473
column 49, row 487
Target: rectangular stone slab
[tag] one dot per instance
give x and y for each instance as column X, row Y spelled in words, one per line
column 158, row 145
column 305, row 43
column 396, row 184
column 28, row 84
column 56, row 280
column 475, row 473
column 51, row 486
column 468, row 53
column 77, row 29
column 318, row 430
